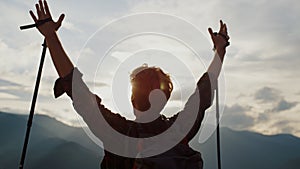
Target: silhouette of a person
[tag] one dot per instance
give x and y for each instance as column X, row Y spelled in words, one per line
column 144, row 81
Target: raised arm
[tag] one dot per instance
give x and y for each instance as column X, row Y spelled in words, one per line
column 202, row 98
column 87, row 104
column 220, row 41
column 59, row 57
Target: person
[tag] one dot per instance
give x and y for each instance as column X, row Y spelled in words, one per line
column 144, row 81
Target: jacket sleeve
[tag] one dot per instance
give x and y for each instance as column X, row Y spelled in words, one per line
column 88, row 105
column 198, row 102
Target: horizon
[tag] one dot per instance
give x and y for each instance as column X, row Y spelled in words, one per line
column 222, row 127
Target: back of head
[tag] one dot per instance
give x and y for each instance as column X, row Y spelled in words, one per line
column 145, row 79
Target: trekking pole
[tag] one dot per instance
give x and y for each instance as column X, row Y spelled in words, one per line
column 35, row 94
column 218, row 126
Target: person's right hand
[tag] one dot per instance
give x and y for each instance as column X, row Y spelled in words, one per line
column 43, row 12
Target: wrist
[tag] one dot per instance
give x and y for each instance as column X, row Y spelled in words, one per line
column 221, row 49
column 50, row 35
column 221, row 52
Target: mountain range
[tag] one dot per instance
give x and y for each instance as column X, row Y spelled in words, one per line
column 53, row 144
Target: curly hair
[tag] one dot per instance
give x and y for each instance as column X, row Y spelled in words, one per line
column 144, row 79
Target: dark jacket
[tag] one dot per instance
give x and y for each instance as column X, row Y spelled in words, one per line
column 179, row 155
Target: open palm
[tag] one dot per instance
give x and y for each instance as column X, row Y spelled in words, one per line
column 43, row 13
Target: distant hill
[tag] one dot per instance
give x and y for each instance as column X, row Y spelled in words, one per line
column 52, row 144
column 249, row 150
column 55, row 145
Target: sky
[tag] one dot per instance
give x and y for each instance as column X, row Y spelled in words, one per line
column 107, row 39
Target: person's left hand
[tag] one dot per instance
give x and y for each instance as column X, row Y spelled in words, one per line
column 221, row 38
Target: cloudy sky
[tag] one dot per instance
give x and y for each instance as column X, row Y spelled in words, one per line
column 107, row 39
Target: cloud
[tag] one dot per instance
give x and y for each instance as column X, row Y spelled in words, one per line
column 263, row 117
column 97, row 84
column 235, row 117
column 22, row 94
column 267, row 94
column 7, row 83
column 7, row 96
column 284, row 126
column 272, row 95
column 236, row 109
column 283, row 105
column 18, row 60
column 70, row 26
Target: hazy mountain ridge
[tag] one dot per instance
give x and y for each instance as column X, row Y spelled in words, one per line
column 52, row 144
column 55, row 145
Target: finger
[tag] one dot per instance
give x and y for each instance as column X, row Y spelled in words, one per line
column 33, row 16
column 225, row 28
column 212, row 35
column 47, row 9
column 42, row 8
column 211, row 32
column 221, row 25
column 38, row 10
column 222, row 30
column 61, row 18
column 226, row 33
